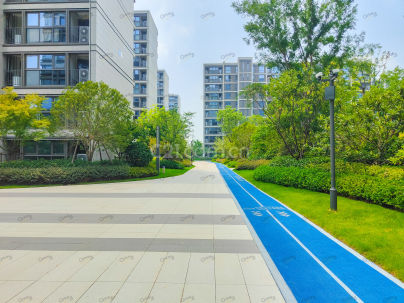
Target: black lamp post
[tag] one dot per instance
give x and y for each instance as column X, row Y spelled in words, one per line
column 158, row 149
column 330, row 95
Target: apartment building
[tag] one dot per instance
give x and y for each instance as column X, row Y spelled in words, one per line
column 47, row 45
column 223, row 83
column 145, row 62
column 162, row 89
column 174, row 102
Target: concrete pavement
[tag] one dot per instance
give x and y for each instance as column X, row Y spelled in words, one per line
column 171, row 240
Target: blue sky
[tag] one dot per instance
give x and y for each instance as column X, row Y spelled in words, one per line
column 194, row 32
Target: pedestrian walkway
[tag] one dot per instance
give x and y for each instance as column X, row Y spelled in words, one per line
column 171, row 240
column 316, row 266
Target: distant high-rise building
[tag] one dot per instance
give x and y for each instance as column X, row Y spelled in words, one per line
column 145, row 62
column 174, row 102
column 162, row 89
column 223, row 83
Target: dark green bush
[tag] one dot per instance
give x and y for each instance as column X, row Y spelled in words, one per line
column 58, row 163
column 369, row 188
column 71, row 175
column 171, row 164
column 138, row 154
column 250, row 164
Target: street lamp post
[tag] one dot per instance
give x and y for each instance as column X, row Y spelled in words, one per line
column 330, row 95
column 158, row 149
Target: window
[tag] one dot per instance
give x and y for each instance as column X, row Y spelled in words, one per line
column 46, row 27
column 45, row 70
column 48, row 103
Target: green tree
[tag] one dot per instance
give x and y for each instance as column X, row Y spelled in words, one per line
column 174, row 130
column 95, row 114
column 138, row 154
column 368, row 128
column 229, row 118
column 291, row 32
column 20, row 120
column 241, row 137
column 197, row 148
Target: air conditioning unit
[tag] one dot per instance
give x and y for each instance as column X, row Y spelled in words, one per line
column 16, row 81
column 17, row 39
column 84, row 34
column 84, row 75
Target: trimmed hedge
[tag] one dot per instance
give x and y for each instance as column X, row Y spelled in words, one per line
column 58, row 163
column 171, row 164
column 71, row 175
column 250, row 164
column 369, row 188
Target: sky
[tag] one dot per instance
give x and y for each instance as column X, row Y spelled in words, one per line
column 194, row 32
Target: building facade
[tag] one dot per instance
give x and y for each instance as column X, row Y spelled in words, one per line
column 46, row 46
column 162, row 89
column 174, row 102
column 223, row 83
column 145, row 62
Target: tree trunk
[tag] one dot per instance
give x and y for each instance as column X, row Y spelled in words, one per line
column 75, row 151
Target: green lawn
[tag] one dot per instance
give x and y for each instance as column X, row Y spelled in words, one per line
column 167, row 174
column 374, row 231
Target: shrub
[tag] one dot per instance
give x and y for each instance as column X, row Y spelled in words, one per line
column 58, row 163
column 141, row 172
column 71, row 175
column 284, row 161
column 250, row 164
column 369, row 188
column 61, row 175
column 171, row 164
column 138, row 154
column 186, row 162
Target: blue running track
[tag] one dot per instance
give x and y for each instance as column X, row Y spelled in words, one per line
column 315, row 266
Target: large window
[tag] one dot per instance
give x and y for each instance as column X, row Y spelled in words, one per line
column 45, row 70
column 46, row 27
column 44, row 149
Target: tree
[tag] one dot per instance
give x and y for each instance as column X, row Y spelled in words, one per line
column 95, row 114
column 174, row 130
column 368, row 128
column 197, row 149
column 242, row 138
column 138, row 154
column 291, row 32
column 21, row 119
column 229, row 118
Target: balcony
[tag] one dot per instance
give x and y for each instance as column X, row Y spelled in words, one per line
column 13, row 78
column 79, row 34
column 79, row 75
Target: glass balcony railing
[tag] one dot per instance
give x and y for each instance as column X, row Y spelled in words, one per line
column 20, row 35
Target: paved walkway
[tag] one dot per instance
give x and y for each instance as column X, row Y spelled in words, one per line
column 171, row 240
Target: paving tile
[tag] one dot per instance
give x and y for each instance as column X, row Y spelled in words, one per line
column 232, row 232
column 147, row 269
column 133, row 292
column 201, row 269
column 122, row 267
column 10, row 289
column 174, row 269
column 35, row 293
column 70, row 266
column 199, row 293
column 95, row 268
column 68, row 292
column 232, row 293
column 104, row 292
column 228, row 270
column 181, row 231
column 264, row 294
column 166, row 292
column 255, row 270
